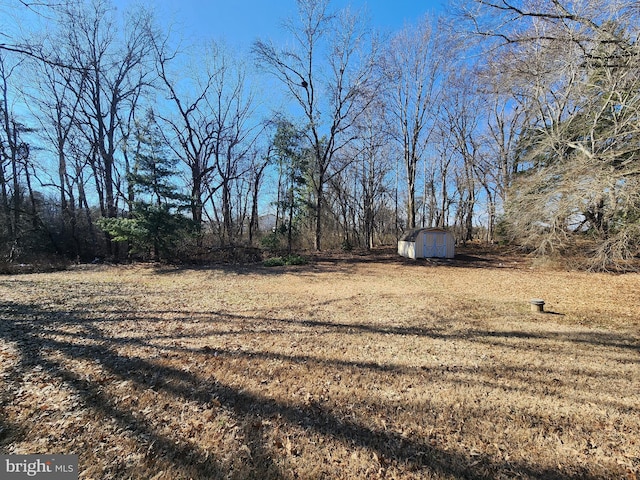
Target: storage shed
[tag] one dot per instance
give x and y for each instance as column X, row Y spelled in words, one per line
column 427, row 243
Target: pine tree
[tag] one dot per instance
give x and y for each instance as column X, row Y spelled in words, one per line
column 294, row 167
column 155, row 223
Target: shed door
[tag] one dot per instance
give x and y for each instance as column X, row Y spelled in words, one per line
column 435, row 244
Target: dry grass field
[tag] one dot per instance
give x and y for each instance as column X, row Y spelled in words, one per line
column 350, row 367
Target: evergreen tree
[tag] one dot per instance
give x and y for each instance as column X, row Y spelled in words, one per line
column 294, row 166
column 155, row 222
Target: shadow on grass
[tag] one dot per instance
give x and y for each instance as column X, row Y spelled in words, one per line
column 246, row 326
column 9, row 432
column 433, row 331
column 31, row 330
column 345, row 262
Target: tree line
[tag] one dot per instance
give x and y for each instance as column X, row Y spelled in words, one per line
column 504, row 120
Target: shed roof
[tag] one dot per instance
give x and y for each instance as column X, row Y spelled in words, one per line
column 411, row 235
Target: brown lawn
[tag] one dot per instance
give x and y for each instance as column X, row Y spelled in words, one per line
column 351, row 367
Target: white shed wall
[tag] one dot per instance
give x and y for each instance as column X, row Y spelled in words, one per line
column 429, row 244
column 407, row 249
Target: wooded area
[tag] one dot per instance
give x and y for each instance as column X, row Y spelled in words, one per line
column 506, row 120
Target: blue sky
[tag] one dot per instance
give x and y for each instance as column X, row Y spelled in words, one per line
column 241, row 22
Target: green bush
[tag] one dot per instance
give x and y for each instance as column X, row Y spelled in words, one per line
column 274, row 262
column 295, row 260
column 271, row 242
column 282, row 261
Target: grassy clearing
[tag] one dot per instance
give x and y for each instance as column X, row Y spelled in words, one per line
column 351, row 367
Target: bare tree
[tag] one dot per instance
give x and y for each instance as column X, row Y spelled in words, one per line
column 442, row 192
column 260, row 161
column 365, row 183
column 511, row 22
column 210, row 126
column 232, row 112
column 56, row 101
column 416, row 64
column 461, row 117
column 21, row 203
column 190, row 138
column 508, row 115
column 111, row 68
column 12, row 151
column 327, row 71
column 374, row 164
column 24, row 44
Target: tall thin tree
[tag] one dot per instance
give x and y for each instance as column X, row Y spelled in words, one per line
column 327, row 71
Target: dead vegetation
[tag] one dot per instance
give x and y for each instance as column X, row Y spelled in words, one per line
column 348, row 367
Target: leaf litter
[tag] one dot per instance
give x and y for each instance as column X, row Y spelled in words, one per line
column 379, row 368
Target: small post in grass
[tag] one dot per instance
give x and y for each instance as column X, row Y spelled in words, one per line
column 537, row 305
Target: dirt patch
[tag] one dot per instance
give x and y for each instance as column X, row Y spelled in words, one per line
column 353, row 366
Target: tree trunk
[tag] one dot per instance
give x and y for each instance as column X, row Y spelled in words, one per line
column 318, row 216
column 6, row 207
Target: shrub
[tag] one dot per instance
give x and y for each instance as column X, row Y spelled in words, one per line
column 282, row 261
column 295, row 260
column 271, row 242
column 274, row 262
